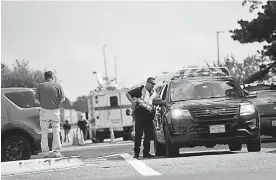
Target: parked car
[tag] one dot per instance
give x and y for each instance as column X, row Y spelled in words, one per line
column 20, row 124
column 204, row 109
column 265, row 102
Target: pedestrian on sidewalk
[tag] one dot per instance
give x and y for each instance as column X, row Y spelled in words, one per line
column 82, row 124
column 67, row 128
column 50, row 95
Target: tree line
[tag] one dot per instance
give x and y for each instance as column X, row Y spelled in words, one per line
column 261, row 29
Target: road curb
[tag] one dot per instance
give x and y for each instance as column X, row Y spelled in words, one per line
column 93, row 146
column 18, row 167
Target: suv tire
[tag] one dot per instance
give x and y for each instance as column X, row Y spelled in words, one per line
column 171, row 149
column 254, row 145
column 236, row 146
column 16, row 148
column 159, row 149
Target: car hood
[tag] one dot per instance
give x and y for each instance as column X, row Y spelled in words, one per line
column 265, row 105
column 210, row 103
column 264, row 100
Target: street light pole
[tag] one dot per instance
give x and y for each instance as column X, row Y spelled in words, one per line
column 115, row 64
column 218, row 42
column 105, row 63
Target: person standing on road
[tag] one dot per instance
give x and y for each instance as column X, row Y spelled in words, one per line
column 67, row 128
column 82, row 123
column 143, row 118
column 50, row 95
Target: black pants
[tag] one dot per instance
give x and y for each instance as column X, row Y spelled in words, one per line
column 143, row 124
column 84, row 133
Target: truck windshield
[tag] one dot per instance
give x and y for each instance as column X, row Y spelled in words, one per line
column 191, row 90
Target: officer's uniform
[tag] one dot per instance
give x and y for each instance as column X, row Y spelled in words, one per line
column 143, row 119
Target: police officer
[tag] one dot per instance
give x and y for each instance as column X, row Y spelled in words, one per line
column 143, row 117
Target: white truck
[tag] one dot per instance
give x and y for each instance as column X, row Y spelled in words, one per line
column 109, row 108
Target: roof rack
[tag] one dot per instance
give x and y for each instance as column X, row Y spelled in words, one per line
column 210, row 72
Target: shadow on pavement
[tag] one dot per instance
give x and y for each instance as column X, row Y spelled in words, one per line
column 268, row 140
column 274, row 151
column 193, row 154
column 207, row 153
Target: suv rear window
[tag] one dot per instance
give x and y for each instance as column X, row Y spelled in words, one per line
column 23, row 99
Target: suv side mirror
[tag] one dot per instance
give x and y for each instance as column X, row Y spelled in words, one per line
column 158, row 102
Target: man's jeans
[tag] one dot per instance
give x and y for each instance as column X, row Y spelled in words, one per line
column 48, row 117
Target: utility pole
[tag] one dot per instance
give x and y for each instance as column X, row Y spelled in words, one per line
column 115, row 66
column 105, row 63
column 218, row 43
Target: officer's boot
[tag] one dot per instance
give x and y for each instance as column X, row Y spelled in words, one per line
column 136, row 153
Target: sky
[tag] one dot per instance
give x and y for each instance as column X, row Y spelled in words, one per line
column 148, row 38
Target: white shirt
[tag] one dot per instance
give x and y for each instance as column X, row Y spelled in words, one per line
column 146, row 95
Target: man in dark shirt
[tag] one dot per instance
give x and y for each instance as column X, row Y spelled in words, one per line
column 50, row 95
column 143, row 118
column 67, row 128
column 82, row 123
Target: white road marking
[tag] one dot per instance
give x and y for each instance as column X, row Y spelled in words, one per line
column 39, row 165
column 43, row 171
column 141, row 167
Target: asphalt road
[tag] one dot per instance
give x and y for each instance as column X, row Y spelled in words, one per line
column 104, row 149
column 193, row 163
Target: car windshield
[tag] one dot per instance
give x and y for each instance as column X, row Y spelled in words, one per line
column 191, row 90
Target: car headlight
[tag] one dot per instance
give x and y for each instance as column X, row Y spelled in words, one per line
column 247, row 109
column 180, row 113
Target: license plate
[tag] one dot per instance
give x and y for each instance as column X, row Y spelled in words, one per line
column 217, row 129
column 273, row 123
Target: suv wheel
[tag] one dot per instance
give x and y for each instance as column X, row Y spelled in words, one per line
column 159, row 149
column 171, row 149
column 16, row 148
column 236, row 146
column 254, row 146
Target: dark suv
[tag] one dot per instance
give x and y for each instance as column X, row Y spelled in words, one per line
column 204, row 110
column 265, row 101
